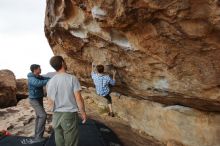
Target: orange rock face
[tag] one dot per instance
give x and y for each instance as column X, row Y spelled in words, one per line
column 167, row 51
column 7, row 89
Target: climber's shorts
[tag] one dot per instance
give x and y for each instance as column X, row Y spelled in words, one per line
column 109, row 98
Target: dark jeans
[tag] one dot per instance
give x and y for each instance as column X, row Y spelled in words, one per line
column 41, row 116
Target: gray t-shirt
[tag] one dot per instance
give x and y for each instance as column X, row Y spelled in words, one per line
column 61, row 90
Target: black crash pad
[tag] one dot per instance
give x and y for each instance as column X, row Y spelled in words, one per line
column 92, row 133
column 18, row 141
column 89, row 135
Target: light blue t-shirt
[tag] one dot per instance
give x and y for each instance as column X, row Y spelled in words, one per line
column 61, row 90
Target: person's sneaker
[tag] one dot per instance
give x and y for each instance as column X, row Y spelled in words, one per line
column 111, row 114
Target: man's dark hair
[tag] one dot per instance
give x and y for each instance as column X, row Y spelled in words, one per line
column 100, row 68
column 56, row 62
column 34, row 67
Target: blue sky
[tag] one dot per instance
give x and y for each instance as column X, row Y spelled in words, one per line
column 22, row 39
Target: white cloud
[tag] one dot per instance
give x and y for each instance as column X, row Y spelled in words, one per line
column 22, row 40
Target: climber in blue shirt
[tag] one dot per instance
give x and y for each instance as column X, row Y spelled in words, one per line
column 36, row 82
column 102, row 84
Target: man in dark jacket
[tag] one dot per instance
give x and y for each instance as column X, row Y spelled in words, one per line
column 36, row 82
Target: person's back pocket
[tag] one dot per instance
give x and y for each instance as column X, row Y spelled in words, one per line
column 69, row 121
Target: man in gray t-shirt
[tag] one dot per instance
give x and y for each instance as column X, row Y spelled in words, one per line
column 64, row 91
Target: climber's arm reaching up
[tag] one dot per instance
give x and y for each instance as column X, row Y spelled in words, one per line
column 93, row 67
column 93, row 73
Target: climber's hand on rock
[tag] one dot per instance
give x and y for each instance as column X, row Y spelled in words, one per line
column 93, row 67
column 93, row 63
column 114, row 72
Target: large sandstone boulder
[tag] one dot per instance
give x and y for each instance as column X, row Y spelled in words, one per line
column 175, row 125
column 22, row 88
column 7, row 89
column 164, row 50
